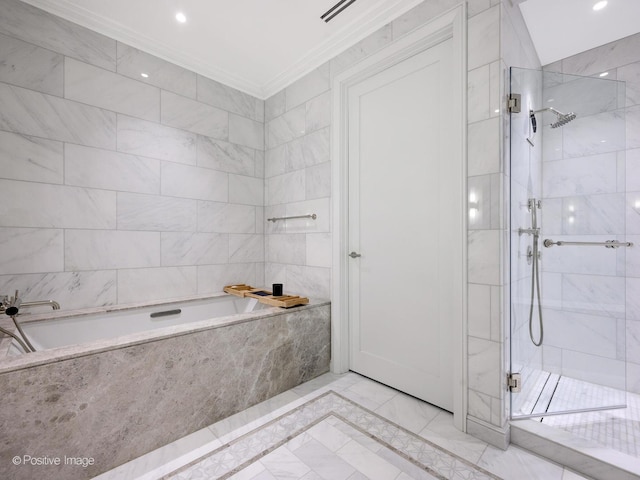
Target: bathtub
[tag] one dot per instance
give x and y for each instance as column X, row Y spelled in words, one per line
column 109, row 385
column 62, row 329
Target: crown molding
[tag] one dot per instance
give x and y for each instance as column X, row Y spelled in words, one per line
column 383, row 12
column 121, row 33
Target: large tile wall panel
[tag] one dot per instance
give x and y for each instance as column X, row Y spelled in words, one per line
column 155, row 213
column 226, row 218
column 307, row 87
column 247, row 132
column 229, row 99
column 133, row 62
column 149, row 139
column 145, row 284
column 30, row 158
column 226, row 157
column 109, row 177
column 36, row 26
column 105, row 169
column 70, row 289
column 187, row 114
column 102, row 88
column 31, row 250
column 110, row 249
column 41, row 205
column 33, row 113
column 193, row 182
column 180, row 248
column 29, row 66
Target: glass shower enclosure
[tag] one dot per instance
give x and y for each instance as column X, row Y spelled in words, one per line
column 568, row 248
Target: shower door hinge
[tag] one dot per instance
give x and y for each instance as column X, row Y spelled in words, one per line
column 514, row 382
column 514, row 102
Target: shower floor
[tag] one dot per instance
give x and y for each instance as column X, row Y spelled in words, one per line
column 617, row 428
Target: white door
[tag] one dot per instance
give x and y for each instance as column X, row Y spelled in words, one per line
column 403, row 191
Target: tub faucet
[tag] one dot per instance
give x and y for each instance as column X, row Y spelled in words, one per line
column 12, row 305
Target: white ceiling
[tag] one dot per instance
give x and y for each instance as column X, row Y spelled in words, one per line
column 562, row 28
column 261, row 46
column 258, row 46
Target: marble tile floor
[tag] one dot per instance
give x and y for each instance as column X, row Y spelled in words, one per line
column 618, row 429
column 338, row 427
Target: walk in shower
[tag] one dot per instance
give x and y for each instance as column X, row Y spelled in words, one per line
column 569, row 256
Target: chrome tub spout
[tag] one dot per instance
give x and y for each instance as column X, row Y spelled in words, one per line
column 55, row 305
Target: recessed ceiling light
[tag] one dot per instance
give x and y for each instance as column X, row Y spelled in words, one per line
column 181, row 17
column 144, row 75
column 604, row 74
column 600, row 5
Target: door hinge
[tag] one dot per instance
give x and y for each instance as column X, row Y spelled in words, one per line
column 514, row 382
column 514, row 102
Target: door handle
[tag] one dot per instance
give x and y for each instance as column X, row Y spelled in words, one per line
column 354, row 255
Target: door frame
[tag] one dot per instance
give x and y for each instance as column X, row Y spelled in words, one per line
column 451, row 24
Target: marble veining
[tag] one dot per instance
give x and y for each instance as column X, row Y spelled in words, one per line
column 307, row 87
column 23, row 157
column 55, row 206
column 101, row 88
column 33, row 113
column 149, row 139
column 105, row 169
column 225, row 156
column 226, row 217
column 227, row 98
column 197, row 117
column 168, row 76
column 185, row 181
column 281, row 451
column 28, row 250
column 156, row 213
column 286, row 127
column 70, row 289
column 36, row 26
column 247, row 132
column 74, row 410
column 110, row 249
column 180, row 248
column 26, row 65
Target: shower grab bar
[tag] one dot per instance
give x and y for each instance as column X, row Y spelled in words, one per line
column 309, row 215
column 608, row 244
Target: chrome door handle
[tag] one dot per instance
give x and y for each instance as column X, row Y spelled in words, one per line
column 354, row 255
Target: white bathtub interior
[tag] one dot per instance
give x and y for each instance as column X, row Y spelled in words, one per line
column 76, row 329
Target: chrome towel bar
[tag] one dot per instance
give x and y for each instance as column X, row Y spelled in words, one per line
column 275, row 219
column 608, row 244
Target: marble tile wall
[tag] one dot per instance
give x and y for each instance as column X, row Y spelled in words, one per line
column 297, row 180
column 592, row 177
column 117, row 188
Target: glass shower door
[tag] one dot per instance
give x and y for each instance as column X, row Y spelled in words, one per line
column 567, row 199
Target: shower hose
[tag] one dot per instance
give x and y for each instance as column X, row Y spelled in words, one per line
column 535, row 286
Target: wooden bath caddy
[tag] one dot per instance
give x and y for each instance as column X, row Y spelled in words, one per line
column 264, row 296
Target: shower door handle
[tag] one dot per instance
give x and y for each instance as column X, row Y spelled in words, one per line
column 354, row 255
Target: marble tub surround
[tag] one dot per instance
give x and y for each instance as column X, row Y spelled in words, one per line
column 126, row 400
column 15, row 362
column 94, row 160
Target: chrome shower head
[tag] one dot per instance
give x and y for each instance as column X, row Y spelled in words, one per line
column 563, row 118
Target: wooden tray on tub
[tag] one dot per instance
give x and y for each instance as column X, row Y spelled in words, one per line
column 265, row 296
